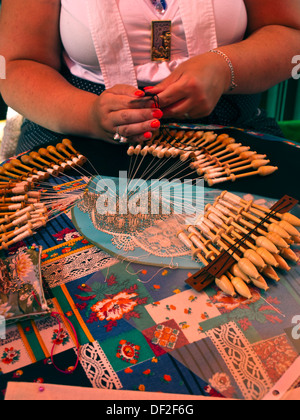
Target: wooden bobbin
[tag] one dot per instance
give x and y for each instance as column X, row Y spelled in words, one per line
column 33, row 224
column 206, row 140
column 9, row 174
column 45, row 153
column 255, row 164
column 237, row 272
column 263, row 245
column 41, row 175
column 290, row 218
column 260, row 283
column 235, row 163
column 218, row 140
column 48, row 166
column 16, row 222
column 241, row 287
column 245, row 265
column 209, row 255
column 223, row 283
column 271, row 227
column 226, row 286
column 229, row 287
column 68, row 144
column 62, row 159
column 219, row 143
column 78, row 159
column 10, row 168
column 229, row 149
column 272, row 244
column 17, row 164
column 194, row 138
column 36, row 168
column 250, row 254
column 237, row 151
column 19, row 238
column 263, row 171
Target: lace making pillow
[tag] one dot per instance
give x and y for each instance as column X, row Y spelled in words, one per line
column 21, row 290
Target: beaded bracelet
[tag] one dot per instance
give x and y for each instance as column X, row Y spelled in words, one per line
column 228, row 61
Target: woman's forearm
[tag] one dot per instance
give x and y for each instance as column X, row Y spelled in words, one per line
column 42, row 95
column 264, row 59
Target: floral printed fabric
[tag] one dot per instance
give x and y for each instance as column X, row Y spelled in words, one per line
column 21, row 289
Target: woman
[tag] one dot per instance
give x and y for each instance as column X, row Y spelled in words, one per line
column 60, row 53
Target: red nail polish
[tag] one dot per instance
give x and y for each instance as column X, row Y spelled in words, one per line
column 148, row 87
column 148, row 135
column 158, row 114
column 139, row 93
column 155, row 124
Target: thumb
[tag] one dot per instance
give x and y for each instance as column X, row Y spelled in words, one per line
column 163, row 85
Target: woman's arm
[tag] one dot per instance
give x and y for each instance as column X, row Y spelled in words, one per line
column 264, row 58
column 261, row 61
column 30, row 44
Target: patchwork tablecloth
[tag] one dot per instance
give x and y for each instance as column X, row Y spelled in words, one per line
column 142, row 328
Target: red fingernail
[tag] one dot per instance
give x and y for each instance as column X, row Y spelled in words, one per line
column 148, row 135
column 155, row 124
column 148, row 87
column 158, row 114
column 139, row 93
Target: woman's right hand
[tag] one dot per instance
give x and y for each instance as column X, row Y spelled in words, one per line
column 125, row 110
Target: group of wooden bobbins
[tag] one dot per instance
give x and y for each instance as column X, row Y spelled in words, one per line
column 259, row 240
column 39, row 166
column 217, row 158
column 21, row 209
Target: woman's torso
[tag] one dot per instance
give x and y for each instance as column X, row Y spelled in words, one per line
column 79, row 51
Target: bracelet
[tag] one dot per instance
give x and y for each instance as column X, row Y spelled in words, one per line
column 228, row 61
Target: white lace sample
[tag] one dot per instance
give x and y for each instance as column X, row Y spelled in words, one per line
column 76, row 266
column 243, row 363
column 97, row 367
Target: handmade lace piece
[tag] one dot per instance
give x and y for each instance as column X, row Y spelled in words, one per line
column 76, row 266
column 156, row 234
column 98, row 368
column 243, row 363
column 114, row 221
column 161, row 240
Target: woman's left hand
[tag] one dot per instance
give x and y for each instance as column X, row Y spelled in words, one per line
column 194, row 88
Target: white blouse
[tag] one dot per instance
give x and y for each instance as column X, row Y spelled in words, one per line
column 227, row 20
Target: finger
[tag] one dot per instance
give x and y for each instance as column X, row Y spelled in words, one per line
column 172, row 95
column 136, row 98
column 162, row 86
column 141, row 130
column 120, row 102
column 135, row 116
column 140, row 139
column 126, row 90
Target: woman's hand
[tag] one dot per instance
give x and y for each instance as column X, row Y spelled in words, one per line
column 194, row 88
column 125, row 110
